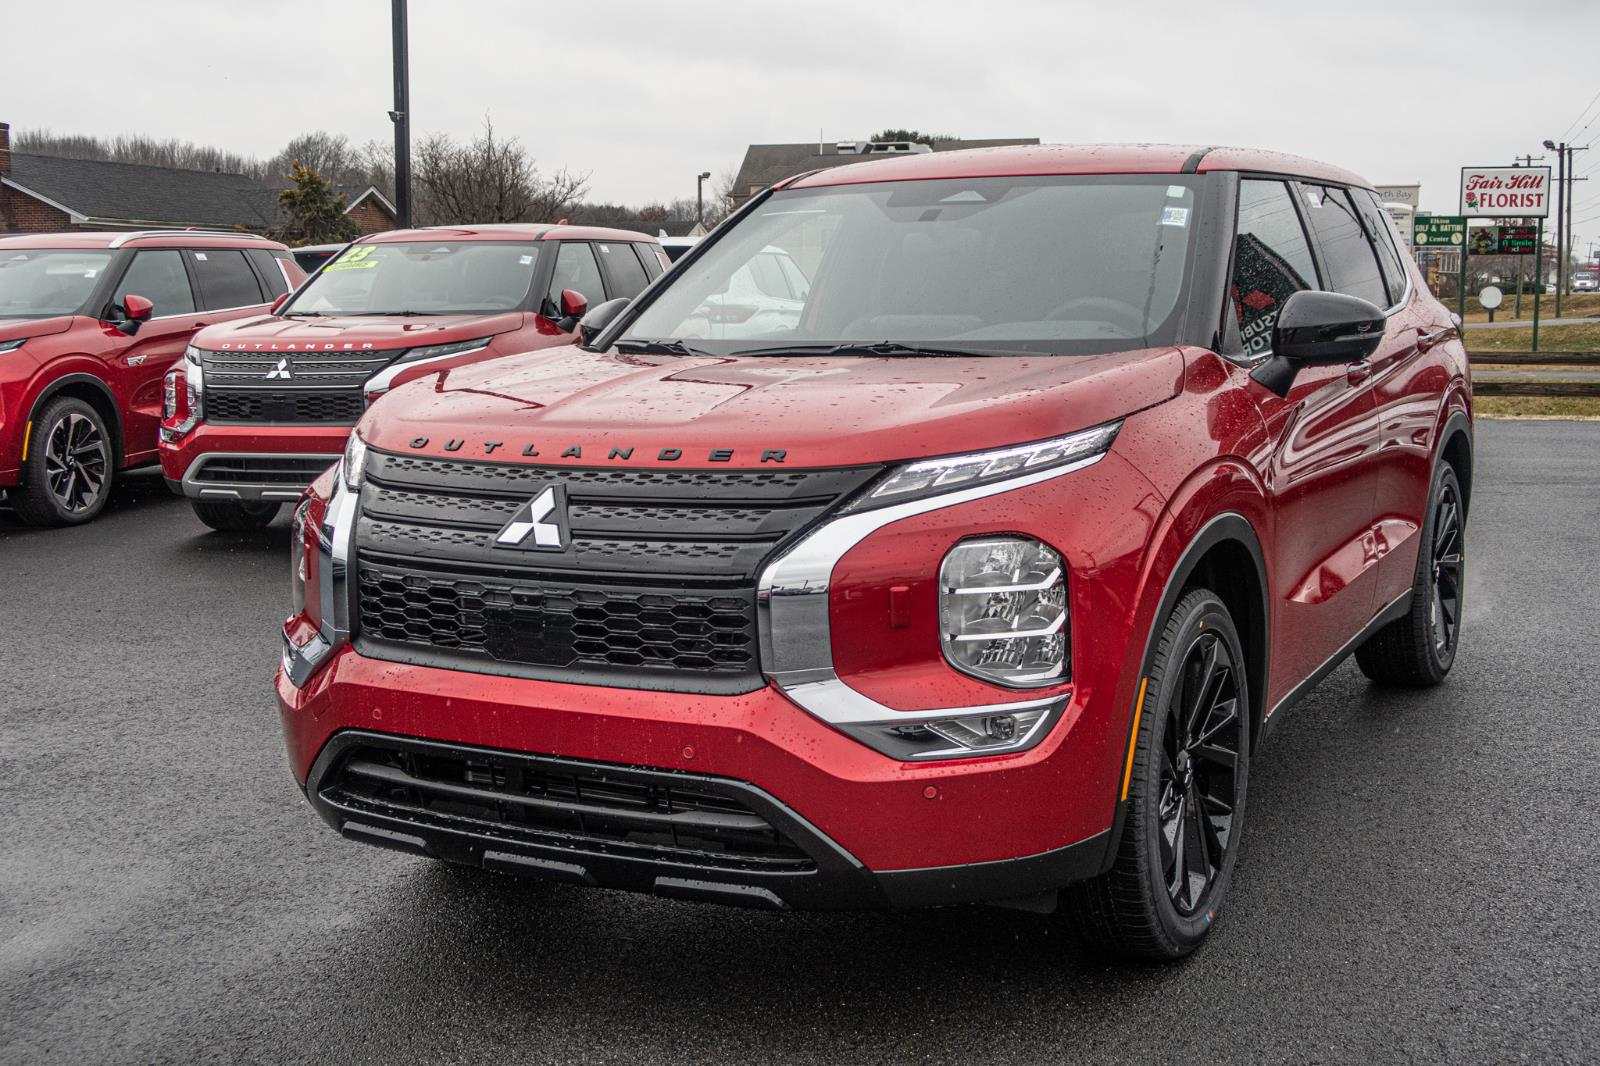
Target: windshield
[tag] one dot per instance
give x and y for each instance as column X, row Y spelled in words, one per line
column 44, row 282
column 1060, row 265
column 422, row 277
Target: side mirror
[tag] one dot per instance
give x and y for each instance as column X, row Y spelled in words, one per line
column 279, row 302
column 571, row 306
column 597, row 320
column 1318, row 329
column 132, row 312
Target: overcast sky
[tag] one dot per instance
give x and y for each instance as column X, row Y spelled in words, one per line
column 645, row 95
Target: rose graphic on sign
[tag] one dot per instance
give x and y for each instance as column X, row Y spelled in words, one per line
column 1472, row 201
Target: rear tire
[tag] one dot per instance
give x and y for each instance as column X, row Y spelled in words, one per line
column 1418, row 649
column 235, row 516
column 66, row 479
column 1185, row 797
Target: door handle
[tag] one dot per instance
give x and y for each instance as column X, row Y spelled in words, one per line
column 1356, row 373
column 1427, row 339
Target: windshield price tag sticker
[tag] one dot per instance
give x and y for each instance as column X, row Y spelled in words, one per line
column 355, row 259
column 1174, row 216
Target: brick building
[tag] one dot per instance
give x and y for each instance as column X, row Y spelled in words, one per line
column 47, row 194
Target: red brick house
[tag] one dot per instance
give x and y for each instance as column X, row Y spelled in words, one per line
column 48, row 194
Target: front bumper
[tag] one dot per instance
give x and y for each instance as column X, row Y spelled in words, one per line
column 250, row 463
column 873, row 832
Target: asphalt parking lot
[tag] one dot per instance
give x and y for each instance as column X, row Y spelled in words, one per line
column 1418, row 878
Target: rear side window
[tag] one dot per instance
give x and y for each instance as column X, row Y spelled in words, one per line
column 1271, row 261
column 650, row 258
column 267, row 270
column 1350, row 259
column 575, row 269
column 226, row 280
column 1377, row 222
column 627, row 273
column 158, row 276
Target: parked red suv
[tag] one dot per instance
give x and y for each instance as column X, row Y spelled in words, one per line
column 259, row 407
column 88, row 324
column 978, row 577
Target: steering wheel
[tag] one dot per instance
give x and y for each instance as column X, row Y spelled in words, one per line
column 1103, row 308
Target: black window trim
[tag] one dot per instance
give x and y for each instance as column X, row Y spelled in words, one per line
column 1388, row 236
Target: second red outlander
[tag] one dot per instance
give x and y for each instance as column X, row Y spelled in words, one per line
column 260, row 406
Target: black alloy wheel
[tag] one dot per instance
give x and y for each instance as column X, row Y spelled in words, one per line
column 76, row 462
column 1444, row 616
column 1198, row 784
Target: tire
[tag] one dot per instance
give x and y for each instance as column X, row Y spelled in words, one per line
column 1418, row 649
column 66, row 479
column 1157, row 901
column 235, row 516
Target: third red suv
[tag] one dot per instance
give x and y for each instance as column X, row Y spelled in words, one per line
column 257, row 408
column 88, row 324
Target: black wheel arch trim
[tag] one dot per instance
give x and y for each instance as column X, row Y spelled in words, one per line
column 1457, row 424
column 1230, row 526
column 59, row 385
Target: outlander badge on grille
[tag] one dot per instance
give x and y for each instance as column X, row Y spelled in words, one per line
column 540, row 524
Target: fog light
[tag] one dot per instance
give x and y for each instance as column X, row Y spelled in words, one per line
column 1003, row 611
column 1018, row 728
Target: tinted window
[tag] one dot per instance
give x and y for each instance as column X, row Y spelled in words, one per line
column 158, row 276
column 226, row 280
column 1350, row 259
column 271, row 275
column 627, row 274
column 1377, row 220
column 575, row 269
column 651, row 259
column 39, row 283
column 1271, row 260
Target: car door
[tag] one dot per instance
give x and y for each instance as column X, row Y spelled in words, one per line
column 1319, row 472
column 140, row 363
column 1407, row 385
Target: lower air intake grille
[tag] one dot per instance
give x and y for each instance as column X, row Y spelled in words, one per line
column 582, row 806
column 338, row 408
column 261, row 470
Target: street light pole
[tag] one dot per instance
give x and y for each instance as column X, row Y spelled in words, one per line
column 700, row 198
column 1561, row 216
column 401, row 117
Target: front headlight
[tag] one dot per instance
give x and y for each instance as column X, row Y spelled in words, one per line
column 1003, row 611
column 299, row 564
column 355, row 457
column 379, row 383
column 930, row 477
column 11, row 346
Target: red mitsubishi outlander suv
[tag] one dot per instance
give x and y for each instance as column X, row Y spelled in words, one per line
column 259, row 407
column 88, row 324
column 977, row 576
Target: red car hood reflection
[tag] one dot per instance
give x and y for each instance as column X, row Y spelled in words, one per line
column 569, row 406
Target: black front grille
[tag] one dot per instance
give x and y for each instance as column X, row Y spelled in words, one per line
column 654, row 589
column 347, row 370
column 262, row 405
column 261, row 470
column 582, row 807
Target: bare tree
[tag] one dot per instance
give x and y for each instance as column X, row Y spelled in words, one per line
column 329, row 154
column 488, row 180
column 136, row 148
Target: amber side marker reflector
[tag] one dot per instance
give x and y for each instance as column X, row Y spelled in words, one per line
column 27, row 434
column 1133, row 739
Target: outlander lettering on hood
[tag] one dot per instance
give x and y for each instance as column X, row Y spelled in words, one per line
column 575, row 451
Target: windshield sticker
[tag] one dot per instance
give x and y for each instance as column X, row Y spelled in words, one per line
column 1176, row 192
column 525, row 259
column 1175, row 216
column 200, row 256
column 355, row 259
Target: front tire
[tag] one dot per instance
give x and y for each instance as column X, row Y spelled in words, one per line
column 1418, row 649
column 1186, row 794
column 66, row 480
column 235, row 516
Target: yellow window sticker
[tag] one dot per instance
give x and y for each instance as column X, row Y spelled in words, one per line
column 359, row 258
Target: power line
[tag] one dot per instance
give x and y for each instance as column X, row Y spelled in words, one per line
column 1579, row 119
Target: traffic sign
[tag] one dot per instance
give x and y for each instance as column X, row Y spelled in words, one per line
column 1441, row 230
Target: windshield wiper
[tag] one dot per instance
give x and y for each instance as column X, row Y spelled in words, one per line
column 867, row 348
column 303, row 314
column 401, row 314
column 642, row 347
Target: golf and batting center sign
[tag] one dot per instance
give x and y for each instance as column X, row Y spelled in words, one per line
column 1505, row 192
column 1436, row 231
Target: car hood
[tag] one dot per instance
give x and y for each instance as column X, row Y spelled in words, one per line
column 14, row 328
column 272, row 333
column 573, row 407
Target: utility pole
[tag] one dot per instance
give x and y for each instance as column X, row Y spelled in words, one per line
column 1561, row 216
column 401, row 117
column 1572, row 195
column 1525, row 161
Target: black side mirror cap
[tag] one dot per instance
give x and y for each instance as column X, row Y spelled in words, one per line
column 1319, row 329
column 598, row 318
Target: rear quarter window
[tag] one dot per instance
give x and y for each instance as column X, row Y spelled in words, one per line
column 226, row 280
column 1347, row 253
column 622, row 265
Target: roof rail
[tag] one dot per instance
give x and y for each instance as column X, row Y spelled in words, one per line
column 124, row 238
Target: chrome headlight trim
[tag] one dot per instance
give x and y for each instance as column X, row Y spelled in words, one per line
column 383, row 380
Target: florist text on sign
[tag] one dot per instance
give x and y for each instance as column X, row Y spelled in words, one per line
column 1505, row 192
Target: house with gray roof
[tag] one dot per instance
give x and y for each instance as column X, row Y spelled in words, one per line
column 767, row 164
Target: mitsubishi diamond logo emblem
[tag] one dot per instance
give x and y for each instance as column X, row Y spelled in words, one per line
column 281, row 371
column 540, row 524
